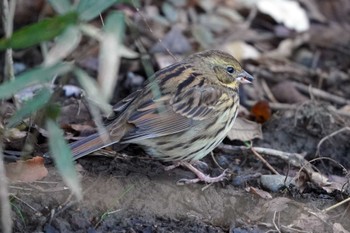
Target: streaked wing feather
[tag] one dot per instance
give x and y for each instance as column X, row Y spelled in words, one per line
column 197, row 103
column 155, row 121
column 124, row 103
column 165, row 117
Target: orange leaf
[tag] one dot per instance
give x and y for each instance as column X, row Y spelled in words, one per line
column 261, row 111
column 26, row 171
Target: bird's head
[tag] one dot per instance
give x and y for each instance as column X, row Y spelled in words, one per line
column 225, row 68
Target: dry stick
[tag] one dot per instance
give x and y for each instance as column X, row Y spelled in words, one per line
column 281, row 106
column 264, row 161
column 321, row 94
column 294, row 159
column 328, row 137
column 38, row 213
column 268, row 91
column 255, row 150
column 336, row 205
column 291, row 229
column 274, row 222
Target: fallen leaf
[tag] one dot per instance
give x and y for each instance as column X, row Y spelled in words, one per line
column 241, row 50
column 261, row 111
column 244, row 130
column 290, row 13
column 286, row 92
column 338, row 228
column 316, row 222
column 26, row 171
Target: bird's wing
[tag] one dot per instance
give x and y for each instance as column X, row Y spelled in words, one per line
column 199, row 103
column 172, row 113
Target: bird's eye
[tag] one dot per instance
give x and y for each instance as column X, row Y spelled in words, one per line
column 230, row 69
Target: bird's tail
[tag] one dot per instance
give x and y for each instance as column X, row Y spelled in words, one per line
column 95, row 141
column 88, row 145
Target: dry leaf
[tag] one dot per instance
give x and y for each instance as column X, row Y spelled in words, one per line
column 241, row 50
column 286, row 92
column 338, row 228
column 261, row 111
column 287, row 12
column 245, row 130
column 311, row 222
column 26, row 171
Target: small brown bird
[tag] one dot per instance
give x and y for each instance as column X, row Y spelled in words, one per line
column 181, row 115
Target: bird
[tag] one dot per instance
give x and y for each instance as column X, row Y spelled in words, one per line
column 180, row 115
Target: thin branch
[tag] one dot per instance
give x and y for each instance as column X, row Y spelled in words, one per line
column 264, row 161
column 336, row 205
column 328, row 137
column 321, row 94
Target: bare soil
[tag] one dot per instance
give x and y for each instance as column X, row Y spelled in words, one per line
column 133, row 193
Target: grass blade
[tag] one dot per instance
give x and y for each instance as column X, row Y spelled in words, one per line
column 60, row 152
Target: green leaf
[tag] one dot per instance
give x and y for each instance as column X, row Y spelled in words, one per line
column 44, row 30
column 60, row 152
column 64, row 45
column 30, row 106
column 110, row 52
column 34, row 76
column 61, row 6
column 89, row 9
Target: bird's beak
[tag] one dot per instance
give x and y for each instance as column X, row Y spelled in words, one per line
column 245, row 77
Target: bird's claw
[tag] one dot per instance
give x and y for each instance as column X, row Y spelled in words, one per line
column 205, row 178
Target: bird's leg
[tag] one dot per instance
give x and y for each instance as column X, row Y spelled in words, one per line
column 171, row 167
column 201, row 176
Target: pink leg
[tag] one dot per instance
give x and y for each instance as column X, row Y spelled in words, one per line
column 201, row 176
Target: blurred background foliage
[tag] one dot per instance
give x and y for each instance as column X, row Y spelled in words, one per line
column 35, row 90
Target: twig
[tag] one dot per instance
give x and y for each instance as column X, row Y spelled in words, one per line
column 264, row 161
column 274, row 222
column 336, row 205
column 282, row 106
column 49, row 190
column 321, row 94
column 291, row 229
column 268, row 91
column 30, row 207
column 328, row 137
column 294, row 159
column 216, row 162
column 106, row 214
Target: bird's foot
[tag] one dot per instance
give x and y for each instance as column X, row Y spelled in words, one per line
column 201, row 176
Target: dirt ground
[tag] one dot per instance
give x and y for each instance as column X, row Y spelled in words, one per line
column 133, row 193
